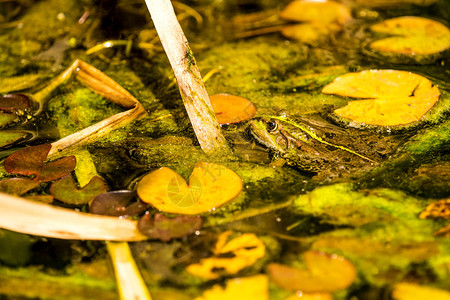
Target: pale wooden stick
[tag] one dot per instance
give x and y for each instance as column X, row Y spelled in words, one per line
column 192, row 88
column 30, row 217
column 129, row 280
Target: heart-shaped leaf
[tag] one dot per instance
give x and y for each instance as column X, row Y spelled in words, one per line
column 164, row 228
column 17, row 186
column 67, row 191
column 116, row 203
column 324, row 273
column 391, row 97
column 232, row 109
column 27, row 161
column 412, row 36
column 12, row 102
column 56, row 169
column 231, row 255
column 210, row 186
column 31, row 161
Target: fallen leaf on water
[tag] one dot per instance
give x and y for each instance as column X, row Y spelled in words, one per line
column 323, row 273
column 310, row 296
column 210, row 186
column 412, row 36
column 407, row 291
column 165, row 229
column 319, row 19
column 17, row 186
column 249, row 288
column 322, row 11
column 117, row 203
column 394, row 3
column 230, row 256
column 391, row 97
column 438, row 209
column 67, row 191
column 12, row 102
column 232, row 109
column 31, row 161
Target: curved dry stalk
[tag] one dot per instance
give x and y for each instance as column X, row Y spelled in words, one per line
column 192, row 88
column 103, row 85
column 29, row 217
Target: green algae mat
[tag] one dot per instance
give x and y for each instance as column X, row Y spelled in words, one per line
column 338, row 183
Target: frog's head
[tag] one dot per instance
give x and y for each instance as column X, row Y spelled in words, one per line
column 269, row 133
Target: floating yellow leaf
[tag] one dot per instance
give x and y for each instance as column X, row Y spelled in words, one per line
column 230, row 256
column 412, row 36
column 210, row 186
column 438, row 209
column 391, row 97
column 394, row 3
column 407, row 291
column 324, row 273
column 248, row 288
column 232, row 109
column 310, row 296
column 322, row 11
column 319, row 19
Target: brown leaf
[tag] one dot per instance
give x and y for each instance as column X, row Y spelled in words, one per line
column 165, row 229
column 57, row 169
column 27, row 161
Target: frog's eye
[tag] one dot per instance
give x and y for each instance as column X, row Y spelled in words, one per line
column 272, row 126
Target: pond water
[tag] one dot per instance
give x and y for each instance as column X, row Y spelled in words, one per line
column 331, row 207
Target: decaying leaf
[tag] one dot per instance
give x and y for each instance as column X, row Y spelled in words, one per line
column 319, row 19
column 389, row 97
column 66, row 190
column 254, row 287
column 232, row 109
column 407, row 291
column 412, row 36
column 164, row 228
column 117, row 203
column 323, row 273
column 17, row 186
column 210, row 186
column 31, row 161
column 230, row 256
column 56, row 169
column 438, row 209
column 14, row 102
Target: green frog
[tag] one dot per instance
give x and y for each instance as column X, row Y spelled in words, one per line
column 316, row 146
